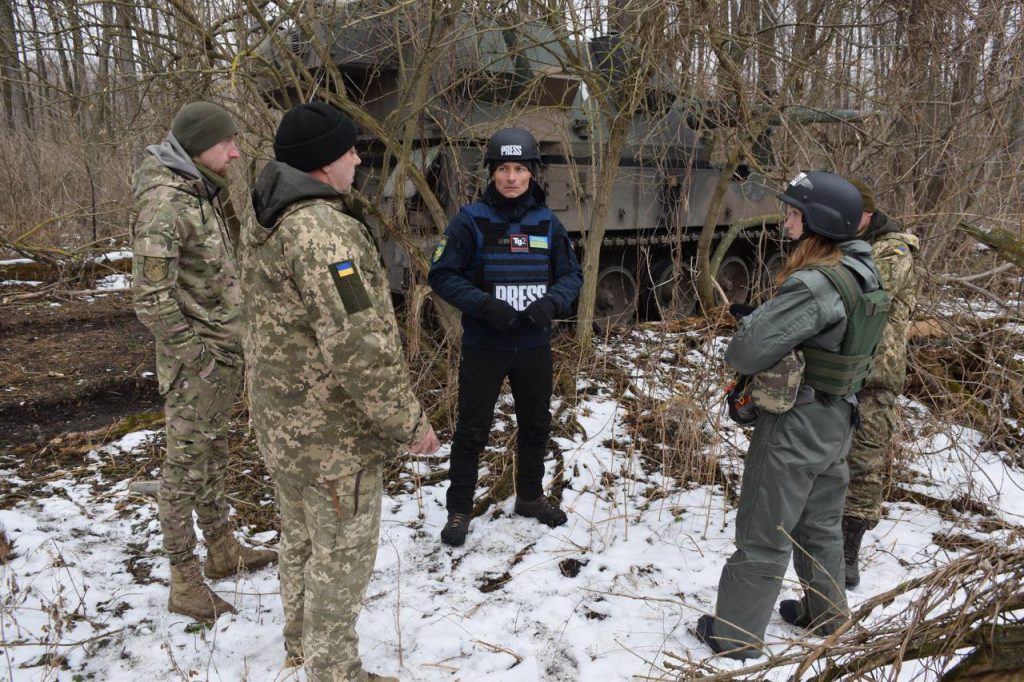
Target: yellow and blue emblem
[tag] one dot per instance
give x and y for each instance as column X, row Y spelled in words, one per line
column 538, row 241
column 350, row 286
column 439, row 248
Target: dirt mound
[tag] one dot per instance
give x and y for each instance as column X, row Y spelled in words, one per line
column 72, row 366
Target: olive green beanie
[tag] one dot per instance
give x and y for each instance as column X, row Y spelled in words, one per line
column 200, row 125
column 866, row 195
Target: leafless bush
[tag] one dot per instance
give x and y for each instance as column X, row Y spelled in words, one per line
column 972, row 602
column 63, row 195
column 6, row 547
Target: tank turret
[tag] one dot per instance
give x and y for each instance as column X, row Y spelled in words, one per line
column 488, row 72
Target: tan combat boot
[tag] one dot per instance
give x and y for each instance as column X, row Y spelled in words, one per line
column 190, row 596
column 226, row 557
column 292, row 657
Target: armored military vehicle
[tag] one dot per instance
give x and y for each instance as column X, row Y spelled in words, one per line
column 439, row 87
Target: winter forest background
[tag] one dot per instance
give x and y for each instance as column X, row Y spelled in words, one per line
column 645, row 461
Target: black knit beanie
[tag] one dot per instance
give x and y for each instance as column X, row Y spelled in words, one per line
column 200, row 125
column 313, row 135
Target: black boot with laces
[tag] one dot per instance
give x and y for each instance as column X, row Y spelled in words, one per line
column 541, row 509
column 454, row 532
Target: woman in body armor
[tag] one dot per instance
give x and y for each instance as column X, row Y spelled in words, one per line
column 506, row 262
column 830, row 307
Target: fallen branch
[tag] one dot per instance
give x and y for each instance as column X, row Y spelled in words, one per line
column 1009, row 246
column 70, row 293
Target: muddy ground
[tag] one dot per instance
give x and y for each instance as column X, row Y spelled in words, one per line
column 70, row 365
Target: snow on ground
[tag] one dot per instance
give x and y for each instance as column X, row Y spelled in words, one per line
column 114, row 282
column 607, row 597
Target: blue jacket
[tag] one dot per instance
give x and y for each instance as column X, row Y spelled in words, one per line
column 464, row 276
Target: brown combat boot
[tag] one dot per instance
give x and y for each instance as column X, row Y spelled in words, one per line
column 226, row 557
column 292, row 657
column 190, row 595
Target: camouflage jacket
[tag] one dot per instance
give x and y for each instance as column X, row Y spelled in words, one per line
column 893, row 252
column 807, row 311
column 184, row 275
column 328, row 384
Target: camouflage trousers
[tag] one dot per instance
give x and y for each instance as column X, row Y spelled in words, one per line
column 329, row 534
column 197, row 455
column 869, row 453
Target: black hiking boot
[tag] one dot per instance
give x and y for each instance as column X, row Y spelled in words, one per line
column 541, row 509
column 853, row 534
column 705, row 632
column 792, row 612
column 454, row 532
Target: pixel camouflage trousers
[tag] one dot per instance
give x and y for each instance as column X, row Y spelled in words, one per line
column 867, row 458
column 328, row 547
column 197, row 456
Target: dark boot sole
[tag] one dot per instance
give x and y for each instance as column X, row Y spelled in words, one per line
column 453, row 542
column 549, row 524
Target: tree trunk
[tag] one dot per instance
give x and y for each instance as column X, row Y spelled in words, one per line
column 608, row 166
column 11, row 76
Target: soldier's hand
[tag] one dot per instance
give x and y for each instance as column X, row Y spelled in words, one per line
column 741, row 310
column 426, row 445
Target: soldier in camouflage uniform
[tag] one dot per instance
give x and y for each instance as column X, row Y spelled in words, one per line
column 186, row 292
column 329, row 391
column 893, row 251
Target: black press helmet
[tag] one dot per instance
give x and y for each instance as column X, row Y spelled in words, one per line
column 512, row 144
column 831, row 205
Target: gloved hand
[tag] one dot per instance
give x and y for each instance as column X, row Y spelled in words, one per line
column 499, row 315
column 741, row 310
column 737, row 397
column 540, row 312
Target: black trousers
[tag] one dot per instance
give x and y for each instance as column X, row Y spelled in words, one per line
column 481, row 375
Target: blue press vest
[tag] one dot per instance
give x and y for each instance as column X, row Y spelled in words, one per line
column 512, row 259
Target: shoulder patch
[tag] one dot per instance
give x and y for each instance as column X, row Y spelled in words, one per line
column 155, row 269
column 439, row 249
column 350, row 286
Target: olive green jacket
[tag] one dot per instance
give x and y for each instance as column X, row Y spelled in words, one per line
column 184, row 275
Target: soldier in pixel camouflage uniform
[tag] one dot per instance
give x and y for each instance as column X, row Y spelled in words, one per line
column 329, row 391
column 893, row 251
column 186, row 292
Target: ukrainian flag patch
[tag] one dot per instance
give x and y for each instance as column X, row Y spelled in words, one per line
column 538, row 241
column 350, row 286
column 439, row 249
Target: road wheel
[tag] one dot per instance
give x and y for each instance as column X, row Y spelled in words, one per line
column 674, row 294
column 734, row 278
column 770, row 267
column 615, row 297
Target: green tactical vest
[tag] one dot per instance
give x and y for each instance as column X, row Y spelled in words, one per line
column 845, row 371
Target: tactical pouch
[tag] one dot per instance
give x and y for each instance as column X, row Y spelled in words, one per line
column 776, row 388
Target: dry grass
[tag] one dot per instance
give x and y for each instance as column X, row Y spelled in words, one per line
column 6, row 546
